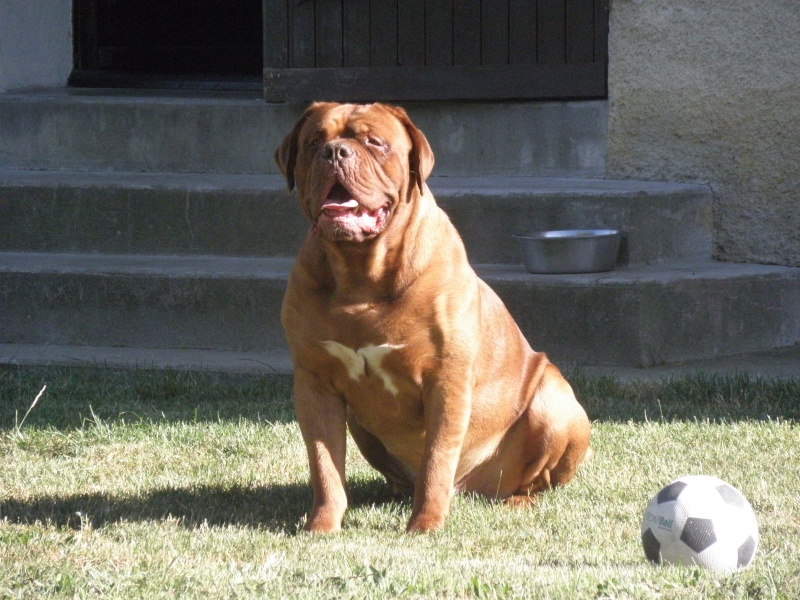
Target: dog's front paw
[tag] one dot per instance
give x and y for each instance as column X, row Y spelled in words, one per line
column 425, row 522
column 323, row 522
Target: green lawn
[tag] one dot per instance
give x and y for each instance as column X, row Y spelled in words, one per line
column 152, row 484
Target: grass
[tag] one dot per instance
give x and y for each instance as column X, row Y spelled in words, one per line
column 160, row 484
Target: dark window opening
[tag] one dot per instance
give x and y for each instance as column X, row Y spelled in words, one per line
column 168, row 43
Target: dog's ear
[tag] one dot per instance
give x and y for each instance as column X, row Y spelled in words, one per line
column 286, row 153
column 420, row 158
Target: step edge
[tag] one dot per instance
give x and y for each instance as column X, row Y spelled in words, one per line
column 268, row 363
column 781, row 362
column 143, row 265
column 440, row 185
column 67, row 263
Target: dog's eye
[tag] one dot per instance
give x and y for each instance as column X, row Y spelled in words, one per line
column 375, row 142
column 313, row 143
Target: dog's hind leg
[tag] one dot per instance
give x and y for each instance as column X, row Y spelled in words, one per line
column 554, row 433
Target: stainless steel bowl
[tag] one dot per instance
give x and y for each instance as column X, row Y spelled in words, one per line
column 570, row 250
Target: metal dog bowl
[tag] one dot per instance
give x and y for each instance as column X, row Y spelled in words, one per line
column 570, row 251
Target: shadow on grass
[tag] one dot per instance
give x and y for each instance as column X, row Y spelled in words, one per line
column 75, row 395
column 276, row 508
column 693, row 397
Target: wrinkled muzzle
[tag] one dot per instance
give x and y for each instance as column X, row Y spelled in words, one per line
column 349, row 197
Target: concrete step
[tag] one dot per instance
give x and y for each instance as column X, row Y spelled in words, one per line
column 200, row 302
column 633, row 316
column 251, row 215
column 226, row 132
column 650, row 315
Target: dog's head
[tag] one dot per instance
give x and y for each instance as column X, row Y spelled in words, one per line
column 353, row 166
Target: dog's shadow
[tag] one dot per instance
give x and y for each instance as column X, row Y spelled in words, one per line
column 277, row 508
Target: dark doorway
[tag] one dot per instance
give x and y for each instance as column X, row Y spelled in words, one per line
column 348, row 49
column 168, row 43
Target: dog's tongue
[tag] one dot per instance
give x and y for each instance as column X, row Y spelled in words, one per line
column 342, row 217
column 339, row 200
column 334, row 206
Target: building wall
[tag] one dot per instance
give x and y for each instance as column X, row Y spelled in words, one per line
column 703, row 90
column 35, row 43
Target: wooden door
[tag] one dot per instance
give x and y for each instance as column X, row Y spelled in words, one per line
column 357, row 50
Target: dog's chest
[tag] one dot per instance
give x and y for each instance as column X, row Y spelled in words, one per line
column 367, row 363
column 376, row 381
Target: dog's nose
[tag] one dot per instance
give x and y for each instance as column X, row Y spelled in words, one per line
column 335, row 151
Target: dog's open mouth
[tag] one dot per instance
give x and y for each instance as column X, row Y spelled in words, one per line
column 343, row 217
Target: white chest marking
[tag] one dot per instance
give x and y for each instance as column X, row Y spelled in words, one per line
column 368, row 358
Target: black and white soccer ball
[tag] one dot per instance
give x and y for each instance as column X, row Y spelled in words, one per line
column 700, row 520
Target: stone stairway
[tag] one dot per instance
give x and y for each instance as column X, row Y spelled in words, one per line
column 154, row 230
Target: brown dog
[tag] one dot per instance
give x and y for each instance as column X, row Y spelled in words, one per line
column 394, row 336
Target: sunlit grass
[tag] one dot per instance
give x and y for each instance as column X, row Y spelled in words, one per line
column 150, row 484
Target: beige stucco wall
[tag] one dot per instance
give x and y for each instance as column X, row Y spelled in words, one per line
column 704, row 90
column 35, row 43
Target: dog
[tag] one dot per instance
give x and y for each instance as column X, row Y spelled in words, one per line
column 394, row 336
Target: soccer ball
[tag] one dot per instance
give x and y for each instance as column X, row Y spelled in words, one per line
column 701, row 520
